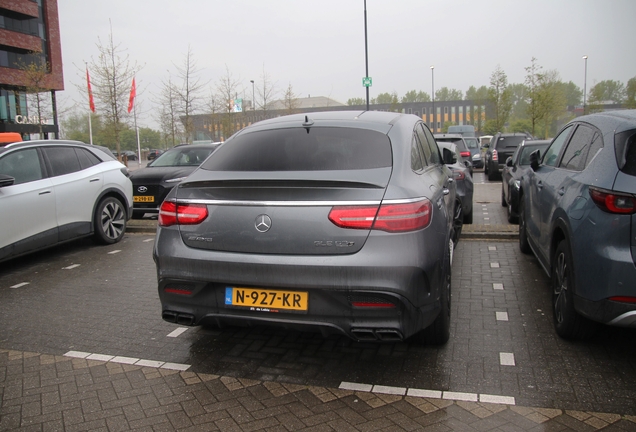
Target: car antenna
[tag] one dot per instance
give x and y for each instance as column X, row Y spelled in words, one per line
column 308, row 123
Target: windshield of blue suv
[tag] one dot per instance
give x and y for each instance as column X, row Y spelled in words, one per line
column 182, row 156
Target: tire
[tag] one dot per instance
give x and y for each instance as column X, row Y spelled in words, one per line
column 458, row 221
column 468, row 218
column 512, row 218
column 110, row 221
column 524, row 245
column 438, row 332
column 567, row 321
column 503, row 197
column 493, row 175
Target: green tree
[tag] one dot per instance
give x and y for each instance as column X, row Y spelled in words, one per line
column 608, row 91
column 446, row 94
column 630, row 93
column 533, row 78
column 385, row 98
column 415, row 96
column 573, row 93
column 479, row 97
column 551, row 100
column 519, row 98
column 36, row 75
column 356, row 101
column 501, row 98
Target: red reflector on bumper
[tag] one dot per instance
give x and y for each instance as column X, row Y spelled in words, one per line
column 623, row 299
column 178, row 291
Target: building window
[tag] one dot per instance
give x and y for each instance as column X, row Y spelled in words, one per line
column 446, row 110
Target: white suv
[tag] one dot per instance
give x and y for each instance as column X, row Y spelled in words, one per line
column 55, row 191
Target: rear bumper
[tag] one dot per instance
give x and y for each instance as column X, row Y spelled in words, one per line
column 608, row 312
column 199, row 279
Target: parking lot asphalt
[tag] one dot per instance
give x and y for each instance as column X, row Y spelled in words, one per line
column 83, row 347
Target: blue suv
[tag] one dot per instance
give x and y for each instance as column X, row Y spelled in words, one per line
column 578, row 215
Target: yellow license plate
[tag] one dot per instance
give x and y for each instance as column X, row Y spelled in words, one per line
column 266, row 300
column 144, row 199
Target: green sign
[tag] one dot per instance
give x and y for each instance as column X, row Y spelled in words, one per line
column 367, row 81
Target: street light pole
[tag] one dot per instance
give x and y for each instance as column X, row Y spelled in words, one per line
column 433, row 95
column 253, row 99
column 366, row 50
column 585, row 86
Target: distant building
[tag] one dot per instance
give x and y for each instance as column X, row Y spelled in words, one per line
column 28, row 27
column 220, row 126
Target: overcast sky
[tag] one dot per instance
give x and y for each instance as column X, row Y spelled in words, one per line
column 318, row 46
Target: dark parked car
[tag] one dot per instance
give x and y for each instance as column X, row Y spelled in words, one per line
column 516, row 167
column 500, row 148
column 152, row 154
column 152, row 183
column 333, row 221
column 55, row 191
column 462, row 144
column 578, row 216
column 464, row 181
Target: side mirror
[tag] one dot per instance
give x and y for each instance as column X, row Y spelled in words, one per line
column 450, row 157
column 534, row 159
column 6, row 180
column 509, row 161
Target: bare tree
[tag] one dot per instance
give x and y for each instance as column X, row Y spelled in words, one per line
column 111, row 78
column 533, row 83
column 290, row 100
column 189, row 92
column 266, row 91
column 227, row 90
column 168, row 114
column 36, row 75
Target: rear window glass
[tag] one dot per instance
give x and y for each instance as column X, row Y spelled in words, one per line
column 512, row 141
column 300, row 149
column 630, row 155
column 183, row 156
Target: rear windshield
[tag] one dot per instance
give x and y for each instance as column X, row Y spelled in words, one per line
column 301, row 149
column 182, row 156
column 511, row 141
column 627, row 141
column 457, row 141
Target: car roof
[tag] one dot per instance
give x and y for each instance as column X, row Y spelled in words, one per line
column 616, row 121
column 453, row 136
column 47, row 143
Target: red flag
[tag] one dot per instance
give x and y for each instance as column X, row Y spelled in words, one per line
column 133, row 93
column 91, row 102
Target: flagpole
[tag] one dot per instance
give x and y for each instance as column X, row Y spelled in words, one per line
column 137, row 131
column 91, row 106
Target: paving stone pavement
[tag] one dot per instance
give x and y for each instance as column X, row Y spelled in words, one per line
column 56, row 393
column 43, row 392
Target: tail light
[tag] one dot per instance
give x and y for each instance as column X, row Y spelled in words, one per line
column 458, row 175
column 465, row 154
column 623, row 299
column 612, row 202
column 172, row 213
column 389, row 217
column 494, row 155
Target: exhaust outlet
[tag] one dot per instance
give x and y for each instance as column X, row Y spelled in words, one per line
column 363, row 334
column 169, row 316
column 185, row 319
column 389, row 335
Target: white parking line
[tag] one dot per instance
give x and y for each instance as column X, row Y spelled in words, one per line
column 128, row 360
column 497, row 286
column 177, row 332
column 71, row 267
column 430, row 394
column 149, row 240
column 114, row 252
column 20, row 285
column 492, row 248
column 506, row 359
column 494, row 265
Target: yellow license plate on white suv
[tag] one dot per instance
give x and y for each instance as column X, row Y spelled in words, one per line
column 267, row 300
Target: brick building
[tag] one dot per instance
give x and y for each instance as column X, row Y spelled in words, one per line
column 29, row 34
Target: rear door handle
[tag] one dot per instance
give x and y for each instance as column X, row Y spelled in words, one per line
column 45, row 192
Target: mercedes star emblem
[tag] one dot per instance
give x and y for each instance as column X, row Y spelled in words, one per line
column 263, row 223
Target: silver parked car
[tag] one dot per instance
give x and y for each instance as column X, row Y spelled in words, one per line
column 336, row 221
column 465, row 188
column 55, row 191
column 578, row 215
